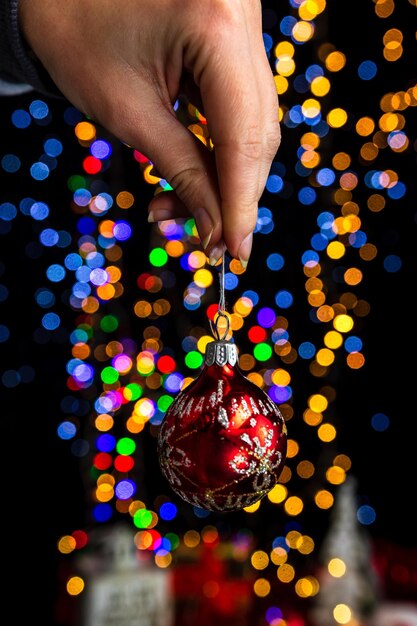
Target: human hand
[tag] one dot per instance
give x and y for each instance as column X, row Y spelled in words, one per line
column 123, row 64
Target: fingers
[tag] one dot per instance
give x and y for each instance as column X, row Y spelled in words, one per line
column 241, row 108
column 179, row 157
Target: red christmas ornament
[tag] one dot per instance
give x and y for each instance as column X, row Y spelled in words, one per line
column 223, row 442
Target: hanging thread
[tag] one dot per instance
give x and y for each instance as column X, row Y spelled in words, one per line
column 221, row 312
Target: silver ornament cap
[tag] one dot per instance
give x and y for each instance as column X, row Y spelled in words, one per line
column 221, row 353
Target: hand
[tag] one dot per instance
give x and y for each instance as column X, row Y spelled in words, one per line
column 123, row 64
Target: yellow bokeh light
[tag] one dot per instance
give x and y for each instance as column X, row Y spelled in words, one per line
column 343, row 323
column 252, row 508
column 302, row 31
column 104, row 422
column 309, row 9
column 318, row 403
column 163, row 560
column 285, row 474
column 192, row 538
column 292, row 448
column 384, row 8
column 335, row 250
column 292, row 537
column 203, row 278
column 325, row 313
column 281, row 377
column 336, row 475
column 124, row 199
column 393, row 34
column 285, row 66
column 306, row 587
column 259, row 559
column 284, row 48
column 85, row 131
column 337, row 117
column 310, row 158
column 75, row 585
column 256, row 378
column 281, row 84
column 262, row 587
column 90, row 304
column 174, row 248
column 293, row 505
column 236, row 267
column 320, row 86
column 324, row 499
column 236, row 321
column 336, row 567
column 285, row 573
column 243, row 306
column 341, row 161
column 277, row 494
column 106, row 292
column 333, row 339
column 104, row 492
column 335, row 61
column 279, row 556
column 309, row 141
column 142, row 308
column 355, row 360
column 369, row 151
column 143, row 540
column 203, row 342
column 353, row 276
column 390, row 121
column 348, row 180
column 305, row 469
column 196, row 259
column 325, row 357
column 342, row 461
column 365, row 126
column 149, row 176
column 305, row 544
column 106, row 479
column 67, row 544
column 311, row 108
column 134, row 425
column 326, row 432
column 342, row 613
column 246, row 362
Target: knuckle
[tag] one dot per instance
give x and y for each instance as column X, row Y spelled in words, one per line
column 273, row 139
column 186, row 184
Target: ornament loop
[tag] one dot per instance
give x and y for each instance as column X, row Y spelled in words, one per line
column 215, row 326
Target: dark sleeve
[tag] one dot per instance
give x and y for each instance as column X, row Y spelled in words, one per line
column 17, row 64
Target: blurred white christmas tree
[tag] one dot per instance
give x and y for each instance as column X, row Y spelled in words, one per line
column 348, row 584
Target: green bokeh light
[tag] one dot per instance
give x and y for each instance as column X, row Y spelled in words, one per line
column 262, row 351
column 193, row 359
column 125, row 446
column 109, row 323
column 109, row 375
column 158, row 257
column 142, row 518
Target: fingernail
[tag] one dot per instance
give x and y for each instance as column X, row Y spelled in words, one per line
column 216, row 253
column 158, row 215
column 245, row 250
column 204, row 225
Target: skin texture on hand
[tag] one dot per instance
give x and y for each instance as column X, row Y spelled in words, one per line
column 124, row 64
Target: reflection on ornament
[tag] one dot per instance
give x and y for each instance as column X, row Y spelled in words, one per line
column 222, row 444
